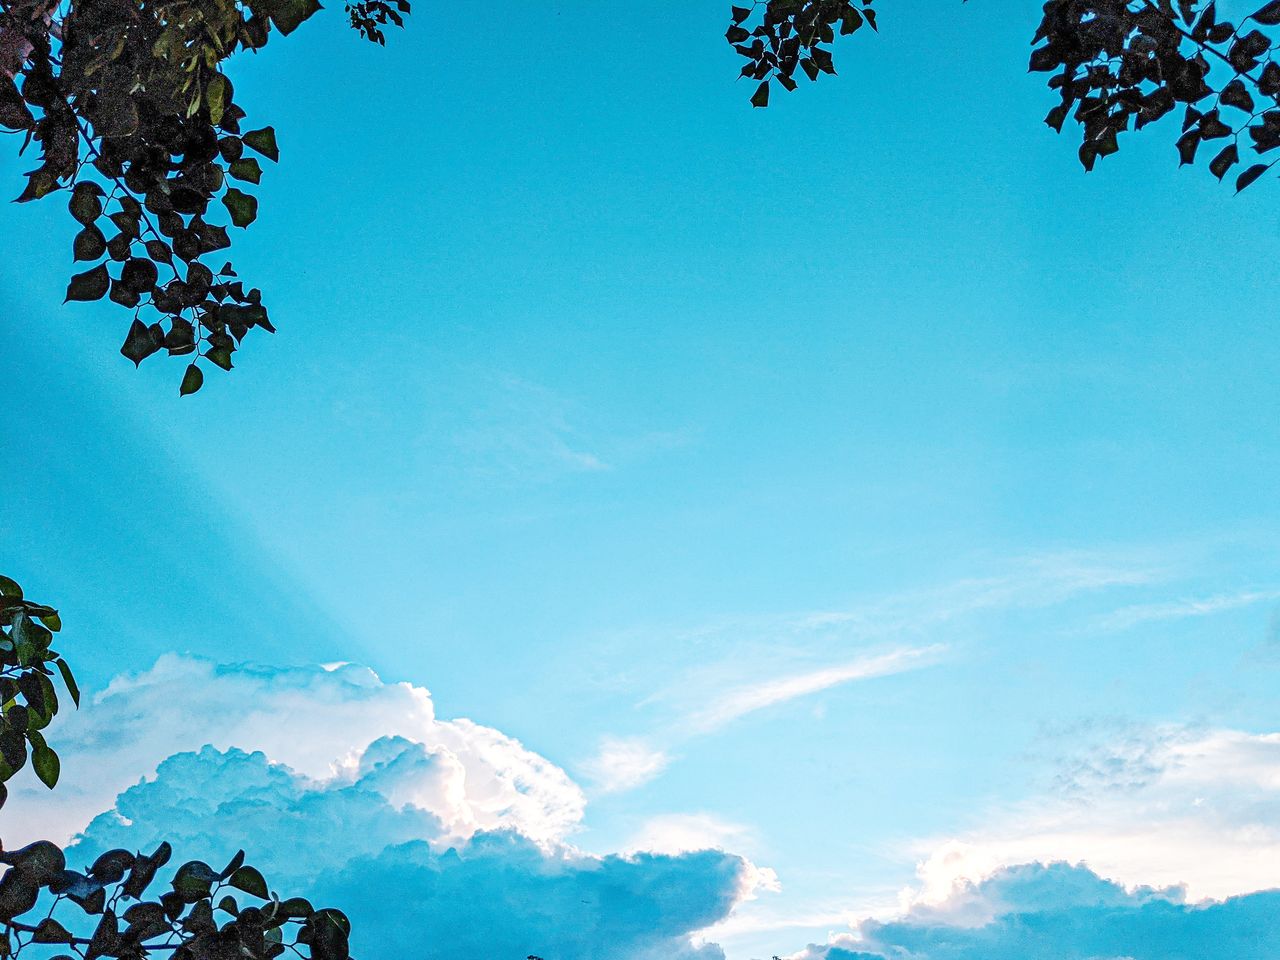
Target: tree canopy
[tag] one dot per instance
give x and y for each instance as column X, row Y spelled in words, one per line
column 137, row 122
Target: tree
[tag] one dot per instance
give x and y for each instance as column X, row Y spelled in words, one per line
column 137, row 122
column 200, row 918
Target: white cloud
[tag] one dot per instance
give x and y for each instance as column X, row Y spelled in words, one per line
column 441, row 838
column 1061, row 912
column 740, row 701
column 408, row 886
column 320, row 721
column 682, row 832
column 1135, row 614
column 1173, row 807
column 623, row 763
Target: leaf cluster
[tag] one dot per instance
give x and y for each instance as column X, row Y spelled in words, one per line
column 1117, row 66
column 1121, row 65
column 136, row 119
column 28, row 698
column 201, row 916
column 777, row 37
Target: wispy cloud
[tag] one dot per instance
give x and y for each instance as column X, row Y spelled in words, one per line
column 623, row 763
column 1135, row 614
column 739, row 702
column 756, row 663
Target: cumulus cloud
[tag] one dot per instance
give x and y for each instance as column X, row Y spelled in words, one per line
column 1062, row 912
column 441, row 838
column 409, row 888
column 1165, row 806
column 320, row 722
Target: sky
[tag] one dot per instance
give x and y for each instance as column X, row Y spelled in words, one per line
column 828, row 531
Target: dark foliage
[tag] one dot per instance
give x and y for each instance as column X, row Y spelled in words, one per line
column 138, row 126
column 104, row 911
column 1117, row 65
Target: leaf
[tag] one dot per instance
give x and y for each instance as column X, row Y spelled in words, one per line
column 194, row 880
column 1223, row 162
column 250, row 881
column 217, row 95
column 89, row 244
column 288, row 15
column 50, row 930
column 45, row 762
column 246, row 169
column 1269, row 15
column 761, row 97
column 86, row 202
column 10, row 588
column 221, row 356
column 140, row 343
column 51, row 620
column 264, row 142
column 69, row 680
column 106, row 937
column 236, row 863
column 40, row 183
column 1250, row 175
column 192, row 381
column 90, row 285
column 242, row 207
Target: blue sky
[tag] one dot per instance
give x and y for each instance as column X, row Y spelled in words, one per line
column 854, row 486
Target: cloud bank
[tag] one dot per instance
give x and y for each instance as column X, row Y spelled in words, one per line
column 1063, row 912
column 408, row 890
column 1164, row 806
column 317, row 721
column 440, row 838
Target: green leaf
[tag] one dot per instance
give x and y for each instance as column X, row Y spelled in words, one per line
column 192, row 381
column 10, row 588
column 90, row 285
column 40, row 183
column 69, row 680
column 221, row 356
column 264, row 142
column 247, row 169
column 217, row 95
column 242, row 207
column 52, row 621
column 250, row 881
column 46, row 765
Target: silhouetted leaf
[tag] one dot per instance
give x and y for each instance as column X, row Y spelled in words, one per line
column 90, row 285
column 192, row 380
column 1250, row 175
column 242, row 207
column 264, row 142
